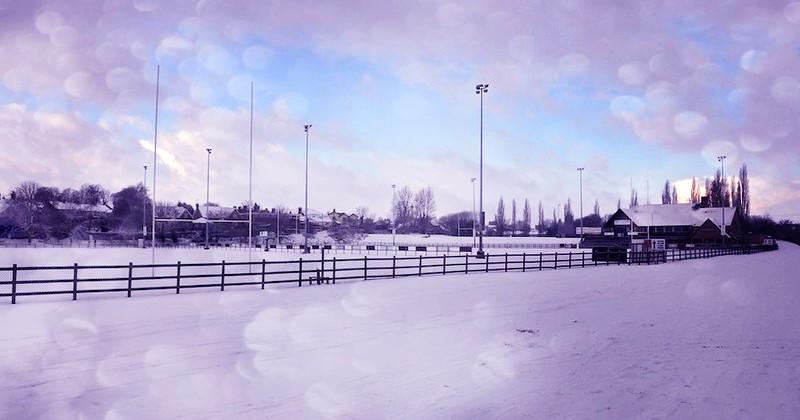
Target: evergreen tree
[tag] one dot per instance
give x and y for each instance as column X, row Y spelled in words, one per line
column 666, row 197
column 619, row 203
column 674, row 195
column 596, row 209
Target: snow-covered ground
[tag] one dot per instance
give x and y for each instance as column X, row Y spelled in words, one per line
column 713, row 338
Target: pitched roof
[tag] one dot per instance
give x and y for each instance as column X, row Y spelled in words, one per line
column 677, row 215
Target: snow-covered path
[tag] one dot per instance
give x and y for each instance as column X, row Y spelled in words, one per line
column 714, row 338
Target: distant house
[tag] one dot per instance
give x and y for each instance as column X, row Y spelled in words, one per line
column 173, row 212
column 678, row 224
column 339, row 218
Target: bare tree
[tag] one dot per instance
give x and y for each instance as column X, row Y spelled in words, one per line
column 745, row 187
column 425, row 206
column 526, row 218
column 513, row 216
column 404, row 200
column 694, row 195
column 25, row 194
column 500, row 218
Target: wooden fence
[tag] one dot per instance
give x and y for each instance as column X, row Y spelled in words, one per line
column 136, row 279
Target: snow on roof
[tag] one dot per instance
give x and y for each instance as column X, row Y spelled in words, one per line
column 98, row 208
column 677, row 215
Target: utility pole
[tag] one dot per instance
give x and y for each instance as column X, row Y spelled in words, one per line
column 250, row 196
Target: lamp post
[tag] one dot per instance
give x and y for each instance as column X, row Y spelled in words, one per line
column 473, row 212
column 721, row 160
column 580, row 177
column 394, row 216
column 208, row 189
column 480, row 89
column 144, row 208
column 305, row 250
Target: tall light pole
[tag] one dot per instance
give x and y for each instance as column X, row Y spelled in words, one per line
column 306, row 251
column 208, row 188
column 144, row 208
column 250, row 193
column 580, row 176
column 480, row 89
column 473, row 212
column 721, row 160
column 394, row 216
column 155, row 166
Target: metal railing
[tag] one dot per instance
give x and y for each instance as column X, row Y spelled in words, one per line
column 130, row 279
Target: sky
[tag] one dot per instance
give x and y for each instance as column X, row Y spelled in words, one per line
column 633, row 91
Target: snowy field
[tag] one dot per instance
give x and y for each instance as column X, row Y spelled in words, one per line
column 104, row 256
column 712, row 338
column 384, row 238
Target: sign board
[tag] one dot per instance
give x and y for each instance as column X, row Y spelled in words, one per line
column 622, row 222
column 266, row 234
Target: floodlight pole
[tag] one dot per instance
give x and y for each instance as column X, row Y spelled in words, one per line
column 144, row 208
column 155, row 167
column 580, row 176
column 480, row 89
column 208, row 188
column 394, row 217
column 721, row 160
column 305, row 250
column 473, row 212
column 250, row 197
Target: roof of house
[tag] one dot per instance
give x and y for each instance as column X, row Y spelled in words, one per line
column 677, row 215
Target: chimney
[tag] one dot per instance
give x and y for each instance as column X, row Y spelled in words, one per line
column 299, row 210
column 705, row 202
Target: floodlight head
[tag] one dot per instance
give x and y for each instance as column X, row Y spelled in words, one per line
column 307, row 126
column 209, row 151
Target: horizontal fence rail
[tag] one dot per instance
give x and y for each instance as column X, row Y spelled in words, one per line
column 141, row 279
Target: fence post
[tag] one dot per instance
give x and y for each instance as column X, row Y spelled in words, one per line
column 523, row 261
column 540, row 260
column 420, row 265
column 444, row 264
column 178, row 283
column 334, row 270
column 14, row 284
column 555, row 260
column 365, row 267
column 300, row 273
column 263, row 272
column 570, row 260
column 75, row 282
column 583, row 259
column 130, row 277
column 394, row 265
column 506, row 264
column 222, row 279
column 487, row 261
column 466, row 264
